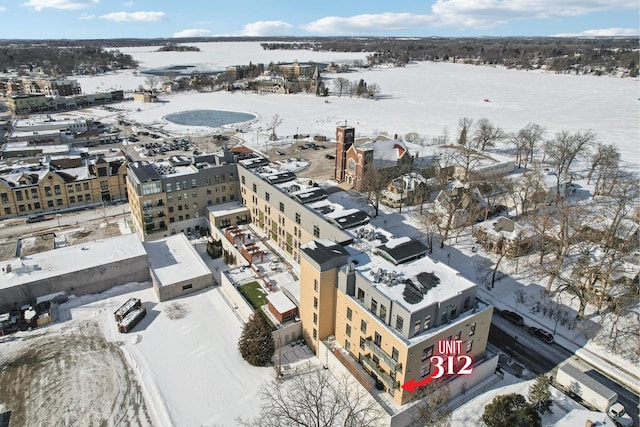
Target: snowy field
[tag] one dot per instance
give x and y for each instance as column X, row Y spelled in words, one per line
column 425, row 97
column 188, row 369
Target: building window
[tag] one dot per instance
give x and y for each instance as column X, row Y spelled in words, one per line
column 47, row 192
column 21, row 208
column 316, row 231
column 4, row 197
column 36, row 205
column 361, row 295
column 193, row 183
column 267, row 196
column 78, row 187
column 469, row 345
column 374, row 306
column 416, row 327
column 383, row 312
column 87, row 197
column 85, row 186
column 425, row 370
column 472, row 330
column 363, row 326
column 194, row 194
column 378, row 339
column 458, row 335
column 443, row 318
column 57, row 190
column 19, row 195
column 170, row 209
column 315, row 334
column 242, row 179
column 50, row 203
column 187, row 287
column 395, row 354
column 467, row 301
column 399, row 323
column 427, row 322
column 255, row 188
column 315, row 318
column 348, row 330
column 362, row 343
column 7, row 211
column 281, row 207
column 315, row 302
column 347, row 345
column 168, row 187
column 58, row 202
column 297, row 218
column 349, row 313
column 427, row 353
column 34, row 193
column 454, row 311
column 152, row 187
column 80, row 197
column 72, row 199
column 315, row 285
column 70, row 188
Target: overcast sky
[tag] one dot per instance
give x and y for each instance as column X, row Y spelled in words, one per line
column 43, row 19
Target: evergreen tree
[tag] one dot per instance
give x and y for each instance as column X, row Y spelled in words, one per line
column 540, row 395
column 510, row 410
column 256, row 343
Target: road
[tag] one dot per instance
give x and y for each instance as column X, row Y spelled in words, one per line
column 17, row 228
column 540, row 358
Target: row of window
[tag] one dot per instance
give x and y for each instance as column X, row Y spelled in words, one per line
column 179, row 186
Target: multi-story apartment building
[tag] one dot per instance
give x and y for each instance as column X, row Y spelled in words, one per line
column 52, row 86
column 387, row 305
column 288, row 223
column 172, row 196
column 47, row 188
column 388, row 308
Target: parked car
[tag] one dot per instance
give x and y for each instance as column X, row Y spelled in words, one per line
column 512, row 317
column 280, row 153
column 329, row 156
column 541, row 334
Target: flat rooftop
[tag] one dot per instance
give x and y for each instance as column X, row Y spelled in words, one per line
column 228, row 208
column 173, row 259
column 414, row 284
column 57, row 262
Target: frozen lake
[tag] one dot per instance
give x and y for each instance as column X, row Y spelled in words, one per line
column 423, row 97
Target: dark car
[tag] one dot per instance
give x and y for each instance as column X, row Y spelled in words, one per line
column 35, row 218
column 512, row 317
column 541, row 334
column 329, row 156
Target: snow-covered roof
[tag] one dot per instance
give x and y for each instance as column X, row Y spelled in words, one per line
column 173, row 259
column 281, row 302
column 579, row 417
column 49, row 264
column 228, row 208
column 368, row 264
column 386, row 152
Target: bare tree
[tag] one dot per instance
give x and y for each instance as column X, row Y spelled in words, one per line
column 530, row 136
column 152, row 82
column 486, row 134
column 373, row 89
column 315, row 399
column 374, row 182
column 413, row 138
column 528, row 192
column 432, row 408
column 276, row 121
column 563, row 150
column 341, row 85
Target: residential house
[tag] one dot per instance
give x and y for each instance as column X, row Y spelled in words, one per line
column 503, row 235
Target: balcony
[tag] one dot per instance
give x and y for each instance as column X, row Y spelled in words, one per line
column 388, row 360
column 151, row 209
column 380, row 373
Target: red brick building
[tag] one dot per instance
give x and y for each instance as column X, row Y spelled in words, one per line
column 352, row 160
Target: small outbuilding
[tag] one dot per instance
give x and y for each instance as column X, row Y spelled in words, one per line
column 281, row 306
column 176, row 267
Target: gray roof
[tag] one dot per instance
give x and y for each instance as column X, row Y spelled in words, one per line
column 403, row 252
column 322, row 251
column 144, row 171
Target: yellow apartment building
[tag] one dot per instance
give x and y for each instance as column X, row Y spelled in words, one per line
column 388, row 306
column 46, row 188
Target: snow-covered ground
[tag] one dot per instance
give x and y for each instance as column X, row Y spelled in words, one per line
column 423, row 97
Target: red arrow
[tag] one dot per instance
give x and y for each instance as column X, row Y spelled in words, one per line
column 412, row 384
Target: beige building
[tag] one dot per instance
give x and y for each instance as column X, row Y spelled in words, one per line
column 171, row 197
column 389, row 309
column 47, row 188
